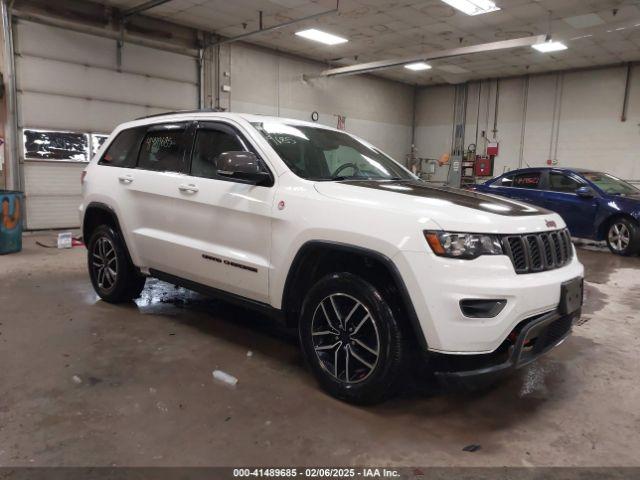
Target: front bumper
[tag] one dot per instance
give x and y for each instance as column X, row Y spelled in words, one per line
column 528, row 341
column 437, row 285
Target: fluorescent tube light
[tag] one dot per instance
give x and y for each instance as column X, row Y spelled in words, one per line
column 550, row 47
column 418, row 66
column 473, row 7
column 322, row 37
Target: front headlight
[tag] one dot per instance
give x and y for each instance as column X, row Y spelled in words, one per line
column 463, row 245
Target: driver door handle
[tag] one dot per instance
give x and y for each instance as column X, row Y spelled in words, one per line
column 191, row 188
column 126, row 179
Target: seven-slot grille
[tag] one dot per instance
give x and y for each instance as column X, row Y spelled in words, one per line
column 537, row 252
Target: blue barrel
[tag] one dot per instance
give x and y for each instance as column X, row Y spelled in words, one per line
column 11, row 213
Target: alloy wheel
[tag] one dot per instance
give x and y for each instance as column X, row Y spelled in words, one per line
column 619, row 237
column 105, row 263
column 345, row 338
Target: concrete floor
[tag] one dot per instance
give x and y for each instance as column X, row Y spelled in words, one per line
column 146, row 396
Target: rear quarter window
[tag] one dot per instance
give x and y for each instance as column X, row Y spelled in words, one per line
column 527, row 180
column 123, row 151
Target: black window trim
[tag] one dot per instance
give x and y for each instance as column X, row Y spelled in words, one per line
column 225, row 127
column 543, row 185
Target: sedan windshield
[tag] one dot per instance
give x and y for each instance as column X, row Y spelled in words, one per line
column 610, row 184
column 318, row 153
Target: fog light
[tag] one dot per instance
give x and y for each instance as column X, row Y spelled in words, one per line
column 482, row 308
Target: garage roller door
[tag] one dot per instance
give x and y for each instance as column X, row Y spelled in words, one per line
column 70, row 82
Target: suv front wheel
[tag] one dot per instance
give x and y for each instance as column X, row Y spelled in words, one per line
column 113, row 276
column 351, row 339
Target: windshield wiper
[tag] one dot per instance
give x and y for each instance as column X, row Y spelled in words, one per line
column 340, row 178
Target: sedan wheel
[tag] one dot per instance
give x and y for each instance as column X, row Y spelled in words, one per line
column 623, row 237
column 619, row 237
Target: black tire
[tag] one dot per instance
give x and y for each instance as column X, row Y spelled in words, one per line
column 358, row 384
column 121, row 282
column 623, row 237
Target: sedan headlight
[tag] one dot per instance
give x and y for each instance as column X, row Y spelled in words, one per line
column 463, row 245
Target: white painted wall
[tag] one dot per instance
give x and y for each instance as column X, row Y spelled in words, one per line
column 434, row 125
column 585, row 131
column 267, row 82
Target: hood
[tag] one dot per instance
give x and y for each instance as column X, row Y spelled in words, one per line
column 628, row 204
column 435, row 196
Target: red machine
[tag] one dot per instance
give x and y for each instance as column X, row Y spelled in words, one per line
column 493, row 148
column 483, row 166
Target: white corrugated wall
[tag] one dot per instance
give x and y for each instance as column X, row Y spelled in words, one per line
column 70, row 81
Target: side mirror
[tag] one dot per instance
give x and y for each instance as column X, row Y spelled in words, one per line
column 243, row 166
column 585, row 192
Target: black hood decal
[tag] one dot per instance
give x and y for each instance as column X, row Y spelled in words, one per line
column 463, row 198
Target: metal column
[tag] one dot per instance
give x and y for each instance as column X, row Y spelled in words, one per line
column 457, row 144
column 11, row 126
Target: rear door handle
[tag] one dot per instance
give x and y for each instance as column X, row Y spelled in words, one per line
column 191, row 188
column 126, row 179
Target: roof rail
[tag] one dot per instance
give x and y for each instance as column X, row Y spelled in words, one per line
column 201, row 110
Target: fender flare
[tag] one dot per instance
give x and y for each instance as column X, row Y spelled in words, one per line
column 103, row 207
column 110, row 211
column 391, row 267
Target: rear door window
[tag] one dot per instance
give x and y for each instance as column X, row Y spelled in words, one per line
column 164, row 148
column 123, row 151
column 530, row 180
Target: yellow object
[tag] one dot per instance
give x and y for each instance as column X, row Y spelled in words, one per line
column 444, row 159
column 10, row 221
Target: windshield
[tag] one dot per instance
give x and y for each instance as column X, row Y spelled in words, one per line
column 610, row 184
column 321, row 154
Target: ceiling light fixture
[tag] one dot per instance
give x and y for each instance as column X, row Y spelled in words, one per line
column 452, row 69
column 417, row 66
column 550, row 46
column 473, row 7
column 322, row 37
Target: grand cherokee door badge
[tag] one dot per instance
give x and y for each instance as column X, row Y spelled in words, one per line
column 229, row 262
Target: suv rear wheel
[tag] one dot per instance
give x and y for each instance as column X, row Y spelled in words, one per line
column 351, row 339
column 623, row 237
column 113, row 276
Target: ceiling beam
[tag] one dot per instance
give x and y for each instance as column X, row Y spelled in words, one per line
column 425, row 57
column 274, row 27
column 143, row 7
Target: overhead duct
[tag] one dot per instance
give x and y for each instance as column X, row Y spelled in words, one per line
column 425, row 57
column 143, row 7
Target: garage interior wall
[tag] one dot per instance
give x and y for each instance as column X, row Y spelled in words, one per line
column 573, row 118
column 69, row 81
column 378, row 110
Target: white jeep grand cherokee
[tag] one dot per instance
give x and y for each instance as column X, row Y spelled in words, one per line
column 329, row 234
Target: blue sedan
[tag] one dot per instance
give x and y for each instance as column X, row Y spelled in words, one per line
column 594, row 205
